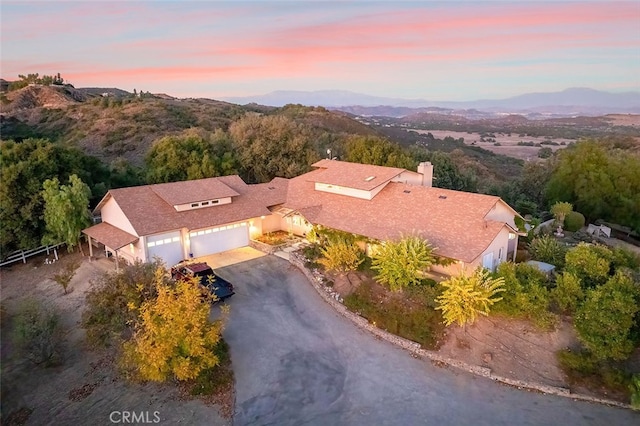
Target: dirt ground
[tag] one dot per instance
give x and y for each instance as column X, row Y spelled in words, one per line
column 85, row 388
column 511, row 348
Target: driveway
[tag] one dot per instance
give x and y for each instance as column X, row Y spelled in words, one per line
column 297, row 362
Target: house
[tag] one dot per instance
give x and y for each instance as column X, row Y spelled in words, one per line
column 181, row 220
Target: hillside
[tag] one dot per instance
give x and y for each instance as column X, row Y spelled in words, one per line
column 125, row 126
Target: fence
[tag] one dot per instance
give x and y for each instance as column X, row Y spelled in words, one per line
column 23, row 255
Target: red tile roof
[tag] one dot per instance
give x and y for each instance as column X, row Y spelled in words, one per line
column 353, row 175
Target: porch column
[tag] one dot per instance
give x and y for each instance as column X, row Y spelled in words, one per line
column 90, row 247
column 116, row 254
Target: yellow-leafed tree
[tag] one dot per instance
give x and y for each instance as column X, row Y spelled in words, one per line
column 466, row 296
column 174, row 338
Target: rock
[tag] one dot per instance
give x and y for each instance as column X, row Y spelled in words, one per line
column 487, row 357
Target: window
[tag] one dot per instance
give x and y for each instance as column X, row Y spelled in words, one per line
column 200, row 232
column 167, row 240
column 207, row 231
column 151, row 244
column 215, row 201
column 512, row 236
column 193, row 234
column 175, row 239
column 195, row 205
column 204, row 203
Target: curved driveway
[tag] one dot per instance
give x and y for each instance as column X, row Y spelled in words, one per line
column 297, row 362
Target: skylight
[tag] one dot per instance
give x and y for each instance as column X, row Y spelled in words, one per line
column 370, row 178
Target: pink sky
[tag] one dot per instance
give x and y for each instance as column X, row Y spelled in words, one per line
column 438, row 51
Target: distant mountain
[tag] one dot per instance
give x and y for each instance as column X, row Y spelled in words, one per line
column 571, row 101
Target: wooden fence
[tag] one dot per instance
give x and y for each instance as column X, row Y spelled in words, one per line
column 23, row 255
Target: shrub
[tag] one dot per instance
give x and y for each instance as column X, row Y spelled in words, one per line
column 560, row 210
column 605, row 319
column 547, row 249
column 37, row 333
column 403, row 263
column 113, row 301
column 589, row 263
column 567, row 294
column 65, row 276
column 574, row 221
column 525, row 294
column 464, row 297
column 341, row 255
column 412, row 318
column 634, row 387
column 623, row 258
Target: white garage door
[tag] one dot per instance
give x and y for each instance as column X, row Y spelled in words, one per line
column 166, row 246
column 218, row 239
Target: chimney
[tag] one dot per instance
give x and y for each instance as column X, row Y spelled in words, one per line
column 426, row 170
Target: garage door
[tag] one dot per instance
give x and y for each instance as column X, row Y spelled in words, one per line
column 166, row 246
column 218, row 239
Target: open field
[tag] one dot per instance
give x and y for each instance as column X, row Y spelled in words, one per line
column 508, row 142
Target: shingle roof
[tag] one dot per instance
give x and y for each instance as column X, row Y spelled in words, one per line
column 353, row 175
column 150, row 214
column 110, row 235
column 191, row 191
column 455, row 224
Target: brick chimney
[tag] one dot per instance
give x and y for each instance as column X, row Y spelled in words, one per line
column 426, row 170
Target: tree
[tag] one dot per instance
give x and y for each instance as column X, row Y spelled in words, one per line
column 66, row 211
column 270, row 146
column 601, row 179
column 465, row 297
column 37, row 332
column 605, row 319
column 65, row 276
column 377, row 151
column 403, row 263
column 560, row 210
column 174, row 338
column 545, row 152
column 341, row 255
column 191, row 155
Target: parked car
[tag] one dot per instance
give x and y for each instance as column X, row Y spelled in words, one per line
column 219, row 287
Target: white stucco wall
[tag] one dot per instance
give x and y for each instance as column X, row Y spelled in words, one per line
column 343, row 190
column 112, row 214
column 408, row 177
column 500, row 242
column 502, row 213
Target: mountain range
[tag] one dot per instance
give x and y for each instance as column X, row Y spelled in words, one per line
column 573, row 101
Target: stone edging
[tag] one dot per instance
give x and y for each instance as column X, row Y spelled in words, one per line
column 334, row 300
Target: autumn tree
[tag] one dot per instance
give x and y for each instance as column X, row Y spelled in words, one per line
column 270, row 146
column 191, row 155
column 404, row 262
column 341, row 255
column 605, row 319
column 174, row 338
column 66, row 211
column 467, row 296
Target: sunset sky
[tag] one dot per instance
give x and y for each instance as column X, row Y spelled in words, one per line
column 420, row 49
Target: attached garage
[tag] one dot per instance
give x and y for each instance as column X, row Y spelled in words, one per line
column 167, row 246
column 219, row 239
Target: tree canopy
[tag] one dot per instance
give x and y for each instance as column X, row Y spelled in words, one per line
column 191, row 155
column 66, row 211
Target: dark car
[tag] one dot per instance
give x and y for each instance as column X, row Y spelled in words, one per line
column 219, row 287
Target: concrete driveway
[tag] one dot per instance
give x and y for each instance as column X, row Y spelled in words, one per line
column 297, row 362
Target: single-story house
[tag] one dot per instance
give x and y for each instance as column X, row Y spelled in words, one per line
column 181, row 220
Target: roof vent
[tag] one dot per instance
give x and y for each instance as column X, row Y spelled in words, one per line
column 443, row 197
column 271, row 187
column 369, row 179
column 406, row 191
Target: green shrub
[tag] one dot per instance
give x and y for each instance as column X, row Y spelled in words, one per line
column 547, row 249
column 584, row 370
column 567, row 294
column 37, row 333
column 634, row 387
column 526, row 294
column 589, row 263
column 574, row 221
column 605, row 319
column 623, row 258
